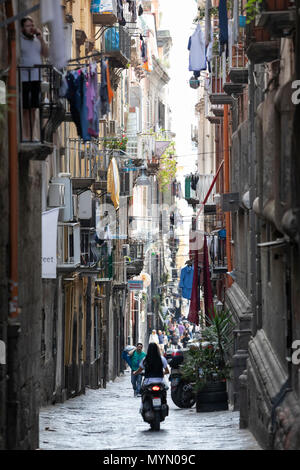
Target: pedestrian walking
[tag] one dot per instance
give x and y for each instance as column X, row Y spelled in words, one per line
column 161, row 341
column 153, row 338
column 174, row 340
column 185, row 338
column 137, row 355
column 166, row 341
column 181, row 328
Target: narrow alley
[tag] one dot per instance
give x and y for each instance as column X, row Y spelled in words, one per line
column 109, row 419
column 150, row 176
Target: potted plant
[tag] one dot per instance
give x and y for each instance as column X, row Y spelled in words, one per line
column 167, row 168
column 116, row 143
column 207, row 366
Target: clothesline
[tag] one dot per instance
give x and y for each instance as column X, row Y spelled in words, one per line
column 89, row 56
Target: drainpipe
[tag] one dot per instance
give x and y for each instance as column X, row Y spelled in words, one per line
column 13, row 330
column 226, row 190
column 13, row 167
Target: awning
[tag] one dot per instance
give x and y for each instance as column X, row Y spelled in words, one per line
column 49, row 243
column 113, row 182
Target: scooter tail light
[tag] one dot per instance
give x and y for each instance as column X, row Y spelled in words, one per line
column 155, row 388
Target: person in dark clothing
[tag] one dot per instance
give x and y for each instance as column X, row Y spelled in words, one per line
column 185, row 338
column 155, row 365
column 174, row 339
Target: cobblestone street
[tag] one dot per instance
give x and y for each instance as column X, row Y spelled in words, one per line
column 109, row 419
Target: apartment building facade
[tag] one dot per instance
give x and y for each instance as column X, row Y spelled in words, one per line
column 252, row 106
column 73, row 238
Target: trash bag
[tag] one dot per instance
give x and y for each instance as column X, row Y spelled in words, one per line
column 126, row 356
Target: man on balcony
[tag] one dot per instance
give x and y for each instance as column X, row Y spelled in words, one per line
column 32, row 49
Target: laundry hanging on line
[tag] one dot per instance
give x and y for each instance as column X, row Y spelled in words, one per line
column 89, row 100
column 200, row 50
column 223, row 26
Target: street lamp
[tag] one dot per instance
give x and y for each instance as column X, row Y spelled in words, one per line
column 219, row 306
column 143, row 179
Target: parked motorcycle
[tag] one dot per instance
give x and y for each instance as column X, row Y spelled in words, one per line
column 182, row 392
column 154, row 404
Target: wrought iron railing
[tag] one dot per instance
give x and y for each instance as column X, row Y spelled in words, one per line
column 89, row 253
column 85, row 159
column 117, row 45
column 105, row 264
column 41, row 109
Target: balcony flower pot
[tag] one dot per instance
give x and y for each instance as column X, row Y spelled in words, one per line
column 275, row 5
column 238, row 62
column 261, row 34
column 212, row 397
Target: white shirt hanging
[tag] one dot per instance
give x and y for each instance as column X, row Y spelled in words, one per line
column 197, row 59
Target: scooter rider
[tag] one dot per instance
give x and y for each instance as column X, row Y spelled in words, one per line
column 136, row 379
column 154, row 364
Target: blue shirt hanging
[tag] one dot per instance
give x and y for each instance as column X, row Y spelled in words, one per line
column 186, row 281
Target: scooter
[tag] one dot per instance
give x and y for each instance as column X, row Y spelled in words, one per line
column 154, row 404
column 182, row 392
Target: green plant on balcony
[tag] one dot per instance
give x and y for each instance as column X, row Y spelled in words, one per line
column 168, row 168
column 252, row 9
column 214, row 11
column 116, row 143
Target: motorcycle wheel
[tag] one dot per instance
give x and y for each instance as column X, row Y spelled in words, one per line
column 181, row 398
column 155, row 425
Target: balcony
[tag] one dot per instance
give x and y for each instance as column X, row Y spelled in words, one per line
column 68, row 246
column 135, row 266
column 153, row 166
column 87, row 162
column 216, row 93
column 117, row 46
column 260, row 47
column 278, row 17
column 102, row 16
column 41, row 110
column 105, row 265
column 218, row 253
column 238, row 64
column 89, row 253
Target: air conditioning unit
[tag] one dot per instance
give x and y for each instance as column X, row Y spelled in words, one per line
column 68, row 246
column 125, row 250
column 56, row 195
column 85, row 205
column 66, row 212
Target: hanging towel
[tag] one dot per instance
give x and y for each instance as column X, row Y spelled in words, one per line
column 208, row 298
column 109, row 88
column 196, row 46
column 193, row 315
column 223, row 26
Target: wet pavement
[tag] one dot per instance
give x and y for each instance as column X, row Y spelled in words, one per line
column 109, row 419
